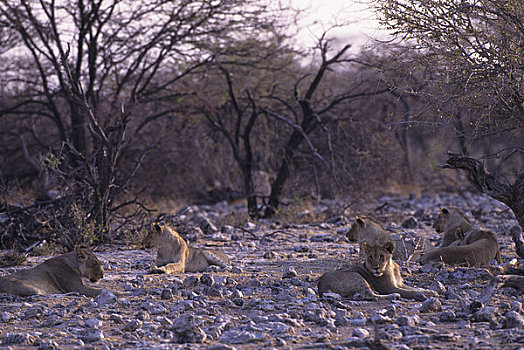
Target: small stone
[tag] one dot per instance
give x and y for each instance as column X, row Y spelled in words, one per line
column 206, row 279
column 358, row 321
column 93, row 323
column 239, row 336
column 289, row 272
column 207, row 226
column 167, row 294
column 269, row 255
column 410, row 321
column 438, row 287
column 513, row 319
column 431, row 305
column 410, row 223
column 47, row 345
column 191, row 281
column 132, row 326
column 106, row 297
column 94, row 336
column 249, row 226
column 379, row 318
column 187, row 331
column 227, row 229
column 475, row 306
column 486, row 314
column 360, row 333
column 116, row 318
column 447, row 316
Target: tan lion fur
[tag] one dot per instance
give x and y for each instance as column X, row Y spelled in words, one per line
column 472, row 247
column 174, row 255
column 449, row 221
column 376, row 278
column 61, row 274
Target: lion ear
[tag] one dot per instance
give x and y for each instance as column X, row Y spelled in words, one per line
column 157, row 227
column 81, row 252
column 360, row 221
column 444, row 211
column 389, row 246
column 459, row 235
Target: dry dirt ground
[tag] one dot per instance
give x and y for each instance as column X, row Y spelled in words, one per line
column 268, row 297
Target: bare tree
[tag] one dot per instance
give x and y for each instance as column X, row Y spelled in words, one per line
column 93, row 75
column 472, row 53
column 296, row 110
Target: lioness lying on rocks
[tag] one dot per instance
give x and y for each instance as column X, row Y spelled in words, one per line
column 61, row 274
column 174, row 255
column 469, row 246
column 365, row 229
column 376, row 278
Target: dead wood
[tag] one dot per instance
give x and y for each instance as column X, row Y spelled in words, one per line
column 510, row 194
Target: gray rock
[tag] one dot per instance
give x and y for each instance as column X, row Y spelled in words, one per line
column 360, row 332
column 207, row 226
column 132, row 326
column 431, row 305
column 410, row 222
column 447, row 316
column 379, row 317
column 191, row 282
column 240, row 336
column 512, row 319
column 93, row 322
column 116, row 318
column 416, row 339
column 207, row 280
column 410, row 321
column 186, row 329
column 486, row 314
column 47, row 345
column 289, row 271
column 358, row 321
column 93, row 336
column 341, row 317
column 221, row 347
column 106, row 297
column 167, row 294
column 438, row 287
column 6, row 317
column 17, row 338
column 249, row 226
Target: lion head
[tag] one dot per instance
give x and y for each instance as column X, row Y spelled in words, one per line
column 450, row 218
column 88, row 264
column 377, row 256
column 364, row 229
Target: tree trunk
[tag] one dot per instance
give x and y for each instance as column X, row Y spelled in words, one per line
column 511, row 195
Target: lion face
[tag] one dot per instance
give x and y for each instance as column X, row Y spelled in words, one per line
column 151, row 239
column 88, row 264
column 448, row 218
column 377, row 257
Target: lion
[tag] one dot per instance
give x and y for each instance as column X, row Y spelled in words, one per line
column 406, row 245
column 175, row 256
column 449, row 221
column 469, row 246
column 365, row 229
column 375, row 279
column 61, row 274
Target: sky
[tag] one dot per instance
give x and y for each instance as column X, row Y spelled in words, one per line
column 323, row 14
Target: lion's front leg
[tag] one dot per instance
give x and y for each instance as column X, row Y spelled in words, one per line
column 176, row 267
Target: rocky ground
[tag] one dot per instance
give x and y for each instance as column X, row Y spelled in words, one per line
column 268, row 299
